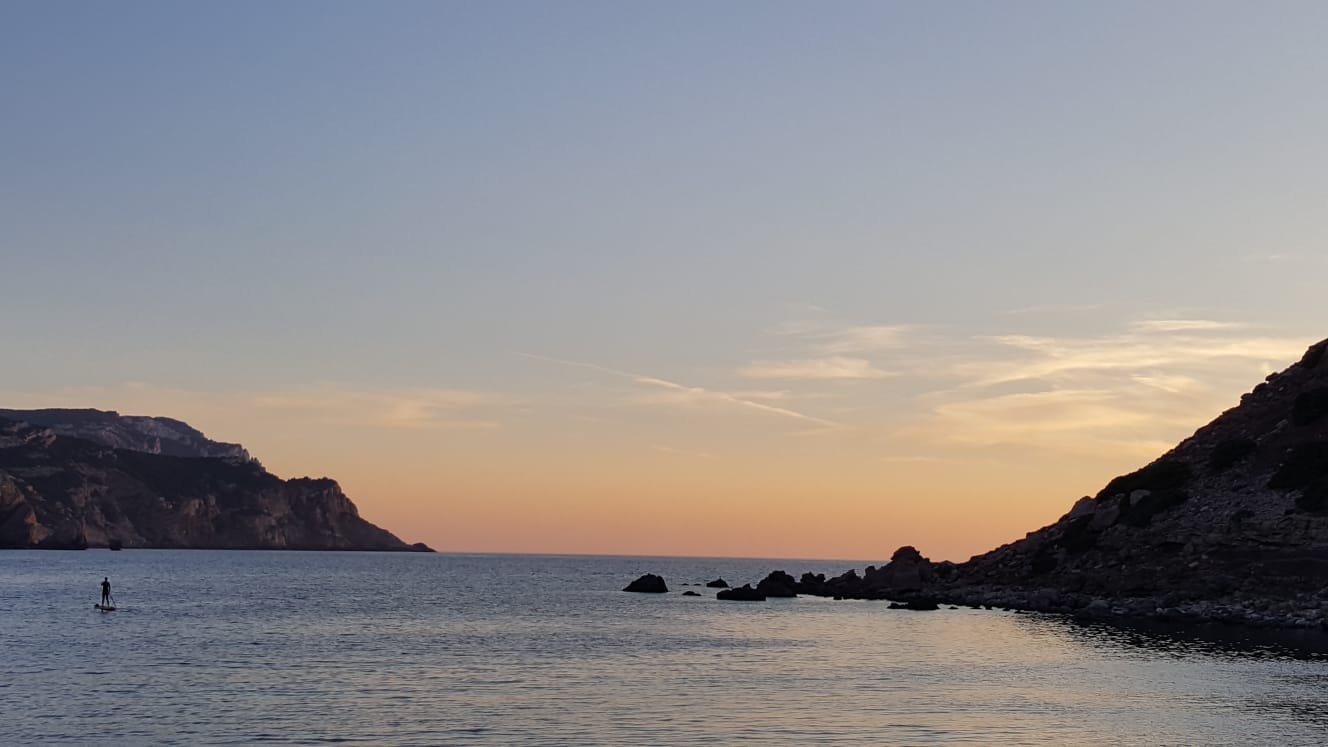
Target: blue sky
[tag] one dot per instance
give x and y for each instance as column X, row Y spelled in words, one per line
column 845, row 211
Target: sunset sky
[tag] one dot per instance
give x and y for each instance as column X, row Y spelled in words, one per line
column 742, row 279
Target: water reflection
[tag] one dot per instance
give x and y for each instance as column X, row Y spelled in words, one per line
column 1179, row 639
column 512, row 651
column 1263, row 670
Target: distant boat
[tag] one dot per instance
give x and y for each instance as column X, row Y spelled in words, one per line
column 115, row 545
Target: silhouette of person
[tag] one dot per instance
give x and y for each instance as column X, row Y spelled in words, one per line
column 106, row 591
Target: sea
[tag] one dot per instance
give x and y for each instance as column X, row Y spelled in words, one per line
column 318, row 648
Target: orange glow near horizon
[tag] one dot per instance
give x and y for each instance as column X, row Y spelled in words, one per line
column 658, row 468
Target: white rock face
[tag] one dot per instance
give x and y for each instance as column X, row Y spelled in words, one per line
column 151, row 435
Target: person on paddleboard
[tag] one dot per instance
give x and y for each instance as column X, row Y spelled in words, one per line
column 106, row 591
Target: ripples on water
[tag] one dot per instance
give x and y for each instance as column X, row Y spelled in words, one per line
column 240, row 648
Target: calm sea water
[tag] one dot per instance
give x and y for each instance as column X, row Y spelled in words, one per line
column 245, row 648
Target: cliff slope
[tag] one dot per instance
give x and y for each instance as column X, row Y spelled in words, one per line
column 61, row 491
column 1233, row 519
column 1231, row 525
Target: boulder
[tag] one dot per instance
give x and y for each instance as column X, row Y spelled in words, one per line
column 907, row 570
column 690, row 594
column 718, row 583
column 744, row 593
column 648, row 584
column 1083, row 506
column 844, row 583
column 1097, row 608
column 777, row 584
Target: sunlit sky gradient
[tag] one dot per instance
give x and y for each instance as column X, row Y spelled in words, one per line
column 752, row 278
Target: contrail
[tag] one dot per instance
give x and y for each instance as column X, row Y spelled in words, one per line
column 675, row 386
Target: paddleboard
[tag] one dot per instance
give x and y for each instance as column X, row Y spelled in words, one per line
column 104, row 609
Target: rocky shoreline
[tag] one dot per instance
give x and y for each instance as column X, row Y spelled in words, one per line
column 1304, row 612
column 1230, row 526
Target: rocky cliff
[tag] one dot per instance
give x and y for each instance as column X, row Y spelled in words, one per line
column 1230, row 525
column 1232, row 522
column 135, row 432
column 62, row 491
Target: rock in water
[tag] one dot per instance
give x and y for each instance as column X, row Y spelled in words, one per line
column 777, row 584
column 906, row 571
column 744, row 593
column 690, row 594
column 718, row 583
column 648, row 584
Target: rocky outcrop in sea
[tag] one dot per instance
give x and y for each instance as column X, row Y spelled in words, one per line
column 66, row 491
column 648, row 584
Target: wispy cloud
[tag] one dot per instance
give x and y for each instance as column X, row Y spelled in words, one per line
column 1054, row 411
column 1076, row 421
column 831, row 368
column 329, row 403
column 1134, row 391
column 836, row 338
column 1273, row 257
column 1170, row 383
column 1186, row 325
column 822, row 350
column 674, row 393
column 1127, row 390
column 1062, row 308
column 1028, row 358
column 416, row 409
column 768, row 395
column 865, row 339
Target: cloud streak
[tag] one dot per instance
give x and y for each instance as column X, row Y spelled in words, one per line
column 414, row 409
column 330, row 403
column 1129, row 392
column 695, row 395
column 1186, row 325
column 1028, row 358
column 813, row 369
column 829, row 338
column 674, row 393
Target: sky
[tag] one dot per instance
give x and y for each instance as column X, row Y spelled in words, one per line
column 764, row 279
